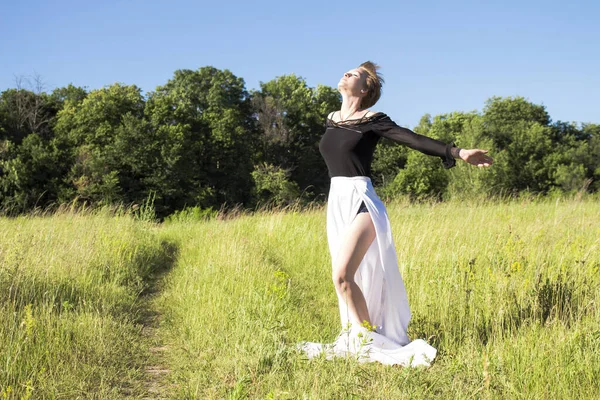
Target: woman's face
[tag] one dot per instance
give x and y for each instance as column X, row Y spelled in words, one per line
column 354, row 82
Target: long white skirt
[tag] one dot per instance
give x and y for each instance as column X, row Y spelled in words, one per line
column 380, row 281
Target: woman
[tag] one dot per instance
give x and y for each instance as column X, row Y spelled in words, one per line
column 372, row 299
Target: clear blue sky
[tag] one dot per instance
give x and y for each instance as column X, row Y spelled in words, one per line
column 436, row 56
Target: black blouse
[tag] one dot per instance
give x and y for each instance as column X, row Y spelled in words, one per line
column 347, row 147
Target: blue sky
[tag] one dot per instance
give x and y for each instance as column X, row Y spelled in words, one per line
column 436, row 56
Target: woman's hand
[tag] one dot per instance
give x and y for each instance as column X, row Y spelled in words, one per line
column 476, row 157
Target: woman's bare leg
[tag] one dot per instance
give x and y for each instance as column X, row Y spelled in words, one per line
column 355, row 244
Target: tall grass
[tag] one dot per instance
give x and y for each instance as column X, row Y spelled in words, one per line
column 507, row 291
column 69, row 304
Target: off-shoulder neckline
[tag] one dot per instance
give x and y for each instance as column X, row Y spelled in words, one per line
column 357, row 121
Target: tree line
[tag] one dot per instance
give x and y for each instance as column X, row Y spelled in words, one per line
column 203, row 141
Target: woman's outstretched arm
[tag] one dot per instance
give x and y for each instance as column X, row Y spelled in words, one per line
column 387, row 128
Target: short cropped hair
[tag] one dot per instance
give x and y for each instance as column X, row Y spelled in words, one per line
column 374, row 83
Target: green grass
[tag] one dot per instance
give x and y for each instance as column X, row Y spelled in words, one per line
column 69, row 305
column 508, row 293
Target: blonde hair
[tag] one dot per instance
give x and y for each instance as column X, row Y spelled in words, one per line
column 374, row 83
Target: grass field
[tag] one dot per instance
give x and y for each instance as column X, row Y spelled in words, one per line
column 508, row 292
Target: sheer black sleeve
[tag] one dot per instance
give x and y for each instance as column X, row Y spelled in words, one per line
column 387, row 128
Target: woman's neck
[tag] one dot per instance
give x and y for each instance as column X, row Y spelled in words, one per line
column 350, row 106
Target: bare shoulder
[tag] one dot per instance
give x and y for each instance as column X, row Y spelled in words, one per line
column 330, row 116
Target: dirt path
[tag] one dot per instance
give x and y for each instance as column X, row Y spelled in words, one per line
column 156, row 383
column 155, row 370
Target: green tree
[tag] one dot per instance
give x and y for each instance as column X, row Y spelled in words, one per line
column 32, row 162
column 465, row 130
column 421, row 178
column 523, row 146
column 503, row 116
column 291, row 119
column 272, row 185
column 89, row 132
column 207, row 113
column 29, row 177
column 576, row 157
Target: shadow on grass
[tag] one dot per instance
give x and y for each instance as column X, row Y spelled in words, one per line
column 64, row 293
